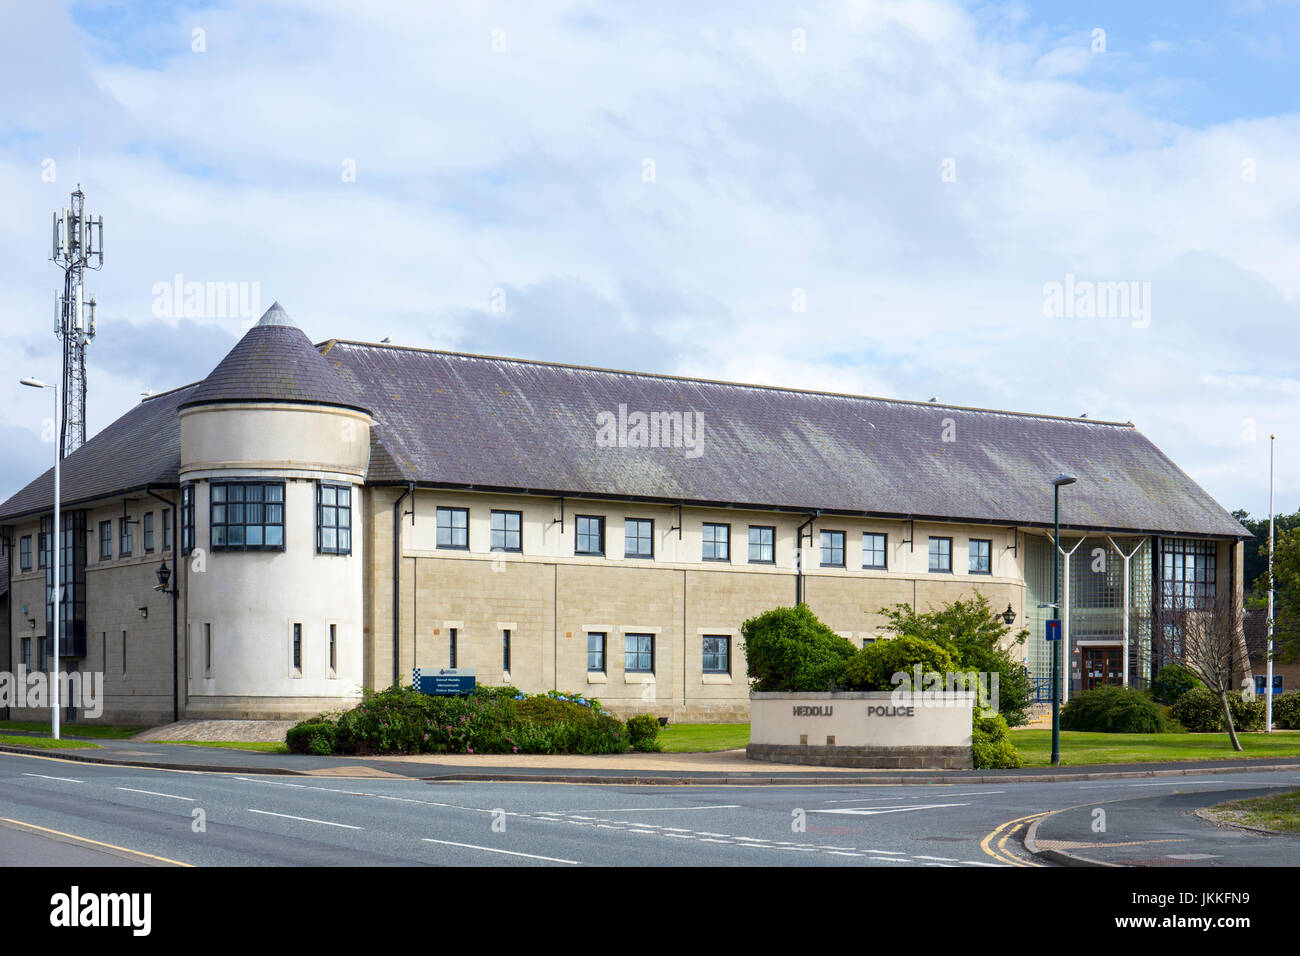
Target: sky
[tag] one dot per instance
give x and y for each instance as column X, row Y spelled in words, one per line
column 900, row 199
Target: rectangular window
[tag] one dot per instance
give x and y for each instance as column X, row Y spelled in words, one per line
column 453, row 528
column 762, row 544
column 148, row 532
column 27, row 653
column 333, row 519
column 639, row 653
column 124, row 652
column 207, row 650
column 717, row 654
column 981, row 561
column 832, row 549
column 451, row 647
column 941, row 554
column 187, row 519
column 638, row 538
column 126, row 537
column 297, row 648
column 167, row 529
column 717, row 542
column 247, row 516
column 873, row 550
column 505, row 649
column 589, row 531
column 334, row 649
column 507, row 531
column 105, row 540
column 1187, row 572
column 42, row 661
column 25, row 553
column 596, row 652
column 43, row 543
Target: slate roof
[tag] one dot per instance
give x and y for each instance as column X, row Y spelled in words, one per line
column 456, row 420
column 140, row 449
column 452, row 419
column 274, row 362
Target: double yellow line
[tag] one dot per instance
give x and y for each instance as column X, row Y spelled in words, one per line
column 1002, row 834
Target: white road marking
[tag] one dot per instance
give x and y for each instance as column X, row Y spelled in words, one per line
column 721, row 806
column 941, row 859
column 44, row 776
column 492, row 849
column 287, row 816
column 155, row 793
column 872, row 811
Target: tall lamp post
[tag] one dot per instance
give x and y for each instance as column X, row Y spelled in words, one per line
column 1057, row 483
column 56, row 595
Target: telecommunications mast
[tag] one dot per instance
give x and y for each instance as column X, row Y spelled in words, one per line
column 78, row 245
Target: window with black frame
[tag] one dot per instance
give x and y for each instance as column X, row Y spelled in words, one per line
column 717, row 654
column 247, row 515
column 147, row 528
column 507, row 531
column 941, row 555
column 873, row 551
column 187, row 519
column 981, row 560
column 25, row 553
column 126, row 537
column 638, row 538
column 762, row 544
column 717, row 542
column 453, row 528
column 832, row 543
column 105, row 540
column 595, row 652
column 333, row 519
column 639, row 653
column 589, row 534
column 1187, row 572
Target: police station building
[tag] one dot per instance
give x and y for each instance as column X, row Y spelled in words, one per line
column 330, row 517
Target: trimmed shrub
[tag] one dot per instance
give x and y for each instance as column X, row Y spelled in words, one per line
column 990, row 744
column 873, row 667
column 1200, row 711
column 490, row 720
column 789, row 649
column 643, row 733
column 1247, row 714
column 1114, row 710
column 1172, row 682
column 1286, row 710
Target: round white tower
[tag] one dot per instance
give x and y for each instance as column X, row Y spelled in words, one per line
column 274, row 450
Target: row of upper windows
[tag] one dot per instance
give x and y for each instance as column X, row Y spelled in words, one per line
column 638, row 541
column 126, row 539
column 638, row 652
column 250, row 516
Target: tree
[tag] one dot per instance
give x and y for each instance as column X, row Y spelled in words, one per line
column 1286, row 584
column 1204, row 633
column 975, row 637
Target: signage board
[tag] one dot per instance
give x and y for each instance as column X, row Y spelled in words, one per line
column 1054, row 630
column 444, row 681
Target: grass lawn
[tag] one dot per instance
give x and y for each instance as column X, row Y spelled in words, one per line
column 100, row 731
column 1280, row 812
column 702, row 738
column 45, row 743
column 264, row 746
column 1080, row 749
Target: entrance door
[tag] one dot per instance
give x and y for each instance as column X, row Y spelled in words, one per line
column 1102, row 665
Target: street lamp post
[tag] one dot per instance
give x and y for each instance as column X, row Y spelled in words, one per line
column 56, row 596
column 1057, row 483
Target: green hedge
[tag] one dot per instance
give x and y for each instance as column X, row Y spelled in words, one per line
column 1200, row 711
column 990, row 744
column 490, row 720
column 873, row 667
column 1114, row 710
column 643, row 733
column 1286, row 710
column 789, row 649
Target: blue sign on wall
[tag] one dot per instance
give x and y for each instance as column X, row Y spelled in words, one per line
column 1053, row 630
column 444, row 681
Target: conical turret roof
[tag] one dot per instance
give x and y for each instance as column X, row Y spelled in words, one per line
column 275, row 362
